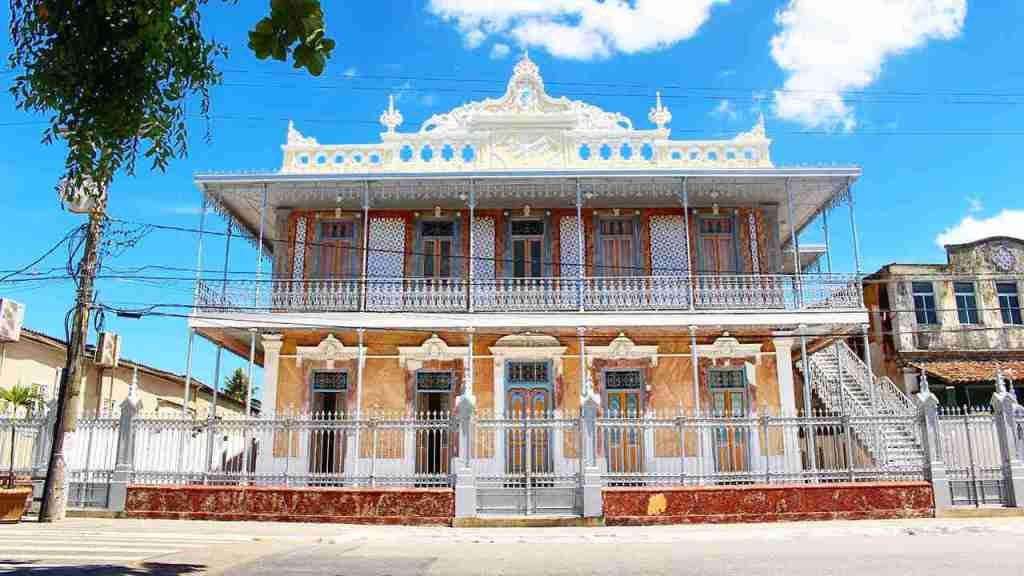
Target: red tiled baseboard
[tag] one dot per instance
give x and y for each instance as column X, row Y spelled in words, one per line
column 764, row 503
column 341, row 505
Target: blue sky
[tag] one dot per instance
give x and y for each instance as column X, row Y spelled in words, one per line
column 925, row 95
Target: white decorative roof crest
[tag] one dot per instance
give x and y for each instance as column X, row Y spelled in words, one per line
column 526, row 129
column 296, row 138
column 526, row 102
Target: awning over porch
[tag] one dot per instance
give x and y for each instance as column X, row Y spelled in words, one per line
column 962, row 371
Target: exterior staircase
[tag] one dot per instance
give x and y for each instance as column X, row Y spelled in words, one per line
column 839, row 379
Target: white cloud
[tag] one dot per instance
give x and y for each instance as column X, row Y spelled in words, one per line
column 724, row 109
column 1006, row 223
column 974, row 204
column 499, row 51
column 827, row 48
column 350, row 72
column 578, row 29
column 474, row 38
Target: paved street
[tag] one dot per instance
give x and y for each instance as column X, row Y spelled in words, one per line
column 101, row 547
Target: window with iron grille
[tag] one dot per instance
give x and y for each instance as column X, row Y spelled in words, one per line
column 966, row 302
column 716, row 226
column 433, row 381
column 725, row 378
column 437, row 228
column 330, row 381
column 527, row 372
column 527, row 227
column 623, row 380
column 924, row 303
column 1009, row 302
column 337, row 229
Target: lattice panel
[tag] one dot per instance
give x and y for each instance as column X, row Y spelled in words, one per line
column 668, row 246
column 299, row 260
column 483, row 248
column 386, row 258
column 568, row 230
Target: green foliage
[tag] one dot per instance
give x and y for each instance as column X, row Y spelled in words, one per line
column 291, row 22
column 18, row 396
column 235, row 385
column 115, row 77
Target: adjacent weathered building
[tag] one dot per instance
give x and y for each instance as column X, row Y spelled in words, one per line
column 960, row 322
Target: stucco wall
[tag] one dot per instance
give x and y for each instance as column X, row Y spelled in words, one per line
column 35, row 361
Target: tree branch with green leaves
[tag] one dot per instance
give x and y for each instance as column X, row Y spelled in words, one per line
column 114, row 78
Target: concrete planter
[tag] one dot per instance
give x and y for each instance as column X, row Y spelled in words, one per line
column 13, row 502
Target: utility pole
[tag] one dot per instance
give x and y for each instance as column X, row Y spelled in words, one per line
column 55, row 497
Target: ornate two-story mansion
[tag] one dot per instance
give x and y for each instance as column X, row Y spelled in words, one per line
column 530, row 249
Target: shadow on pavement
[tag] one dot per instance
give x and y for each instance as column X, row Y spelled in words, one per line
column 143, row 569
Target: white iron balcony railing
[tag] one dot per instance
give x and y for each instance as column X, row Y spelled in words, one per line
column 702, row 292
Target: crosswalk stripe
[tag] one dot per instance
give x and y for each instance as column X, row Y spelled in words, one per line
column 92, row 547
column 100, row 542
column 76, row 558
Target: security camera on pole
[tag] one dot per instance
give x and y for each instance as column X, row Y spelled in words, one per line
column 83, row 196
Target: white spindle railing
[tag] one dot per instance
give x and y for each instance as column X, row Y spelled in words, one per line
column 701, row 292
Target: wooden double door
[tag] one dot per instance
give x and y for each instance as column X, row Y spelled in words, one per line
column 624, row 446
column 732, row 441
column 528, row 448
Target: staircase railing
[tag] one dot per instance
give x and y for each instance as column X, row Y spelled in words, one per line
column 837, row 398
column 886, row 396
column 893, row 397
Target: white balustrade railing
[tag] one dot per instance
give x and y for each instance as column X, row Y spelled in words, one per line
column 700, row 292
column 426, row 152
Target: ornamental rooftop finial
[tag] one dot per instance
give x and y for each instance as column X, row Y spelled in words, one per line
column 659, row 115
column 391, row 118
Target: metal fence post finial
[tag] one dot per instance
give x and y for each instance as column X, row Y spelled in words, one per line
column 125, row 463
column 928, row 419
column 465, row 480
column 1004, row 405
column 590, row 402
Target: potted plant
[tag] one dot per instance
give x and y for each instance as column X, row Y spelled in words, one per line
column 14, row 498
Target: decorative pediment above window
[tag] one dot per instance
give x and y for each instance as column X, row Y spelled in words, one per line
column 433, row 348
column 728, row 347
column 528, row 346
column 330, row 350
column 622, row 348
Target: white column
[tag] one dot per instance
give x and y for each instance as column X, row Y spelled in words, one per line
column 188, row 373
column 265, row 459
column 581, row 245
column 853, row 228
column 252, row 366
column 686, row 226
column 366, row 245
column 259, row 248
column 471, row 261
column 787, row 399
column 271, row 362
column 828, row 245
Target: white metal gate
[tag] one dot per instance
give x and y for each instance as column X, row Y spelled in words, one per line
column 970, row 450
column 528, row 466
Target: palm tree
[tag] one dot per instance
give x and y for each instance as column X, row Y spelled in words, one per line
column 13, row 398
